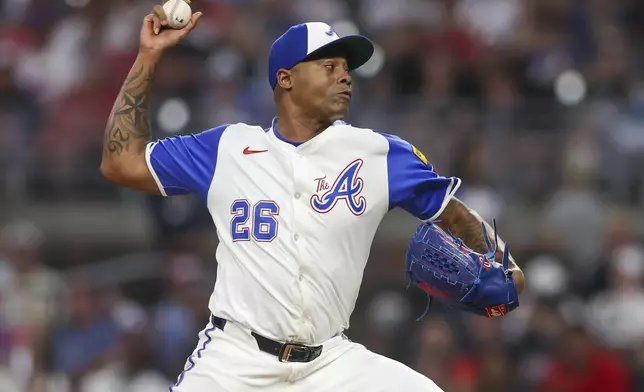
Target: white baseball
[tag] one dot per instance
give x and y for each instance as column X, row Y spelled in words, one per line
column 178, row 13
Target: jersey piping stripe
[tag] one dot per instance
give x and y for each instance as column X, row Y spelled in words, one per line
column 148, row 152
column 191, row 359
column 451, row 191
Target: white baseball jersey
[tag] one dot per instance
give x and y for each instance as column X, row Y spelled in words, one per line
column 296, row 221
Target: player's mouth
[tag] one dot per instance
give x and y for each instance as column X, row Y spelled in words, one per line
column 346, row 94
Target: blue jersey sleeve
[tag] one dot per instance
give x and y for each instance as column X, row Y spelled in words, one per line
column 185, row 164
column 413, row 184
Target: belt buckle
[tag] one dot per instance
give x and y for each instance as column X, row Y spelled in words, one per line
column 286, row 349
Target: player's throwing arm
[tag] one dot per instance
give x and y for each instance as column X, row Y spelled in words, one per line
column 128, row 128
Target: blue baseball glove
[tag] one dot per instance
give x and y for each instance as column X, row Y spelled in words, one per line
column 441, row 265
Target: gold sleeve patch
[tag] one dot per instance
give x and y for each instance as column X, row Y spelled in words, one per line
column 419, row 154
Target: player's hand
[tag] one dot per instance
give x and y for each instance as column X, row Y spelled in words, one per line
column 156, row 37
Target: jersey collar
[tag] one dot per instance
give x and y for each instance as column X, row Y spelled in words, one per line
column 279, row 136
column 296, row 144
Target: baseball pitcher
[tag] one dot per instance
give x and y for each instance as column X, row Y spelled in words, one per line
column 296, row 206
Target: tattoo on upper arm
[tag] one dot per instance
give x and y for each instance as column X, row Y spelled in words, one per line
column 129, row 121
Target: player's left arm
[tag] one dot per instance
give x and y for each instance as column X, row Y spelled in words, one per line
column 466, row 224
column 417, row 188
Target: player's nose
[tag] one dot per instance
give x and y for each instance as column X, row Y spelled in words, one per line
column 346, row 78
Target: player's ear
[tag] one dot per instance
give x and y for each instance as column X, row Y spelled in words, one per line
column 285, row 79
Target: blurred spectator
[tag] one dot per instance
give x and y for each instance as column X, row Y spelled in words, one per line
column 487, row 366
column 491, row 370
column 72, row 136
column 22, row 117
column 583, row 366
column 493, row 21
column 31, row 296
column 387, row 314
column 538, row 344
column 437, row 352
column 86, row 338
column 65, row 58
column 31, row 290
column 576, row 214
column 548, row 278
column 132, row 370
column 179, row 315
column 617, row 314
column 625, row 146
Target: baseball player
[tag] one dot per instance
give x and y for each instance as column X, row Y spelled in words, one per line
column 296, row 207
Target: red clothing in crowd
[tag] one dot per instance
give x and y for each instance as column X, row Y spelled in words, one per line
column 606, row 371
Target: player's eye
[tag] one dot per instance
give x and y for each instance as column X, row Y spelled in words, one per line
column 329, row 66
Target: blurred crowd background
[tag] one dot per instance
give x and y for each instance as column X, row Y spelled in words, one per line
column 537, row 104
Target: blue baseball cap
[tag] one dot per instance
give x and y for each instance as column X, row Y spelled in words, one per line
column 303, row 41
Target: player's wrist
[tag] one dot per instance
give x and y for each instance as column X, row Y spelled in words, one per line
column 519, row 278
column 149, row 55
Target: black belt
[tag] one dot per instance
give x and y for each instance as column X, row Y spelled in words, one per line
column 285, row 352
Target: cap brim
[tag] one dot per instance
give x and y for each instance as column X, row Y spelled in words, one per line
column 357, row 49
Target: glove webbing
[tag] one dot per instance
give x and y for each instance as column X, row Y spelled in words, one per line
column 489, row 255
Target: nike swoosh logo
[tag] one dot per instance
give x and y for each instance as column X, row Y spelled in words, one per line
column 248, row 151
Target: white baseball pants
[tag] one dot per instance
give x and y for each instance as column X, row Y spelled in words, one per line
column 229, row 361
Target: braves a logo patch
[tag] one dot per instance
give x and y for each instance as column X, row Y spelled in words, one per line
column 347, row 186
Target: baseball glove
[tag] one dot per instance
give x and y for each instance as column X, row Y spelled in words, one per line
column 441, row 265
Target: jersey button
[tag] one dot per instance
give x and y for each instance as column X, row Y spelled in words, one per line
column 297, row 195
column 296, row 237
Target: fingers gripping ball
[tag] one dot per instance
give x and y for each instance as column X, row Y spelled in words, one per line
column 178, row 13
column 447, row 270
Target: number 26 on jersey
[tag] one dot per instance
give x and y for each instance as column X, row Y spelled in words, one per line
column 258, row 222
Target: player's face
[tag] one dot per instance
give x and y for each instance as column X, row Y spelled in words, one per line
column 323, row 87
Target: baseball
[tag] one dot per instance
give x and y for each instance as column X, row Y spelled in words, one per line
column 178, row 13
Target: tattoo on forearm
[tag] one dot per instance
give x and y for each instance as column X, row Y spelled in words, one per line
column 118, row 141
column 128, row 128
column 458, row 219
